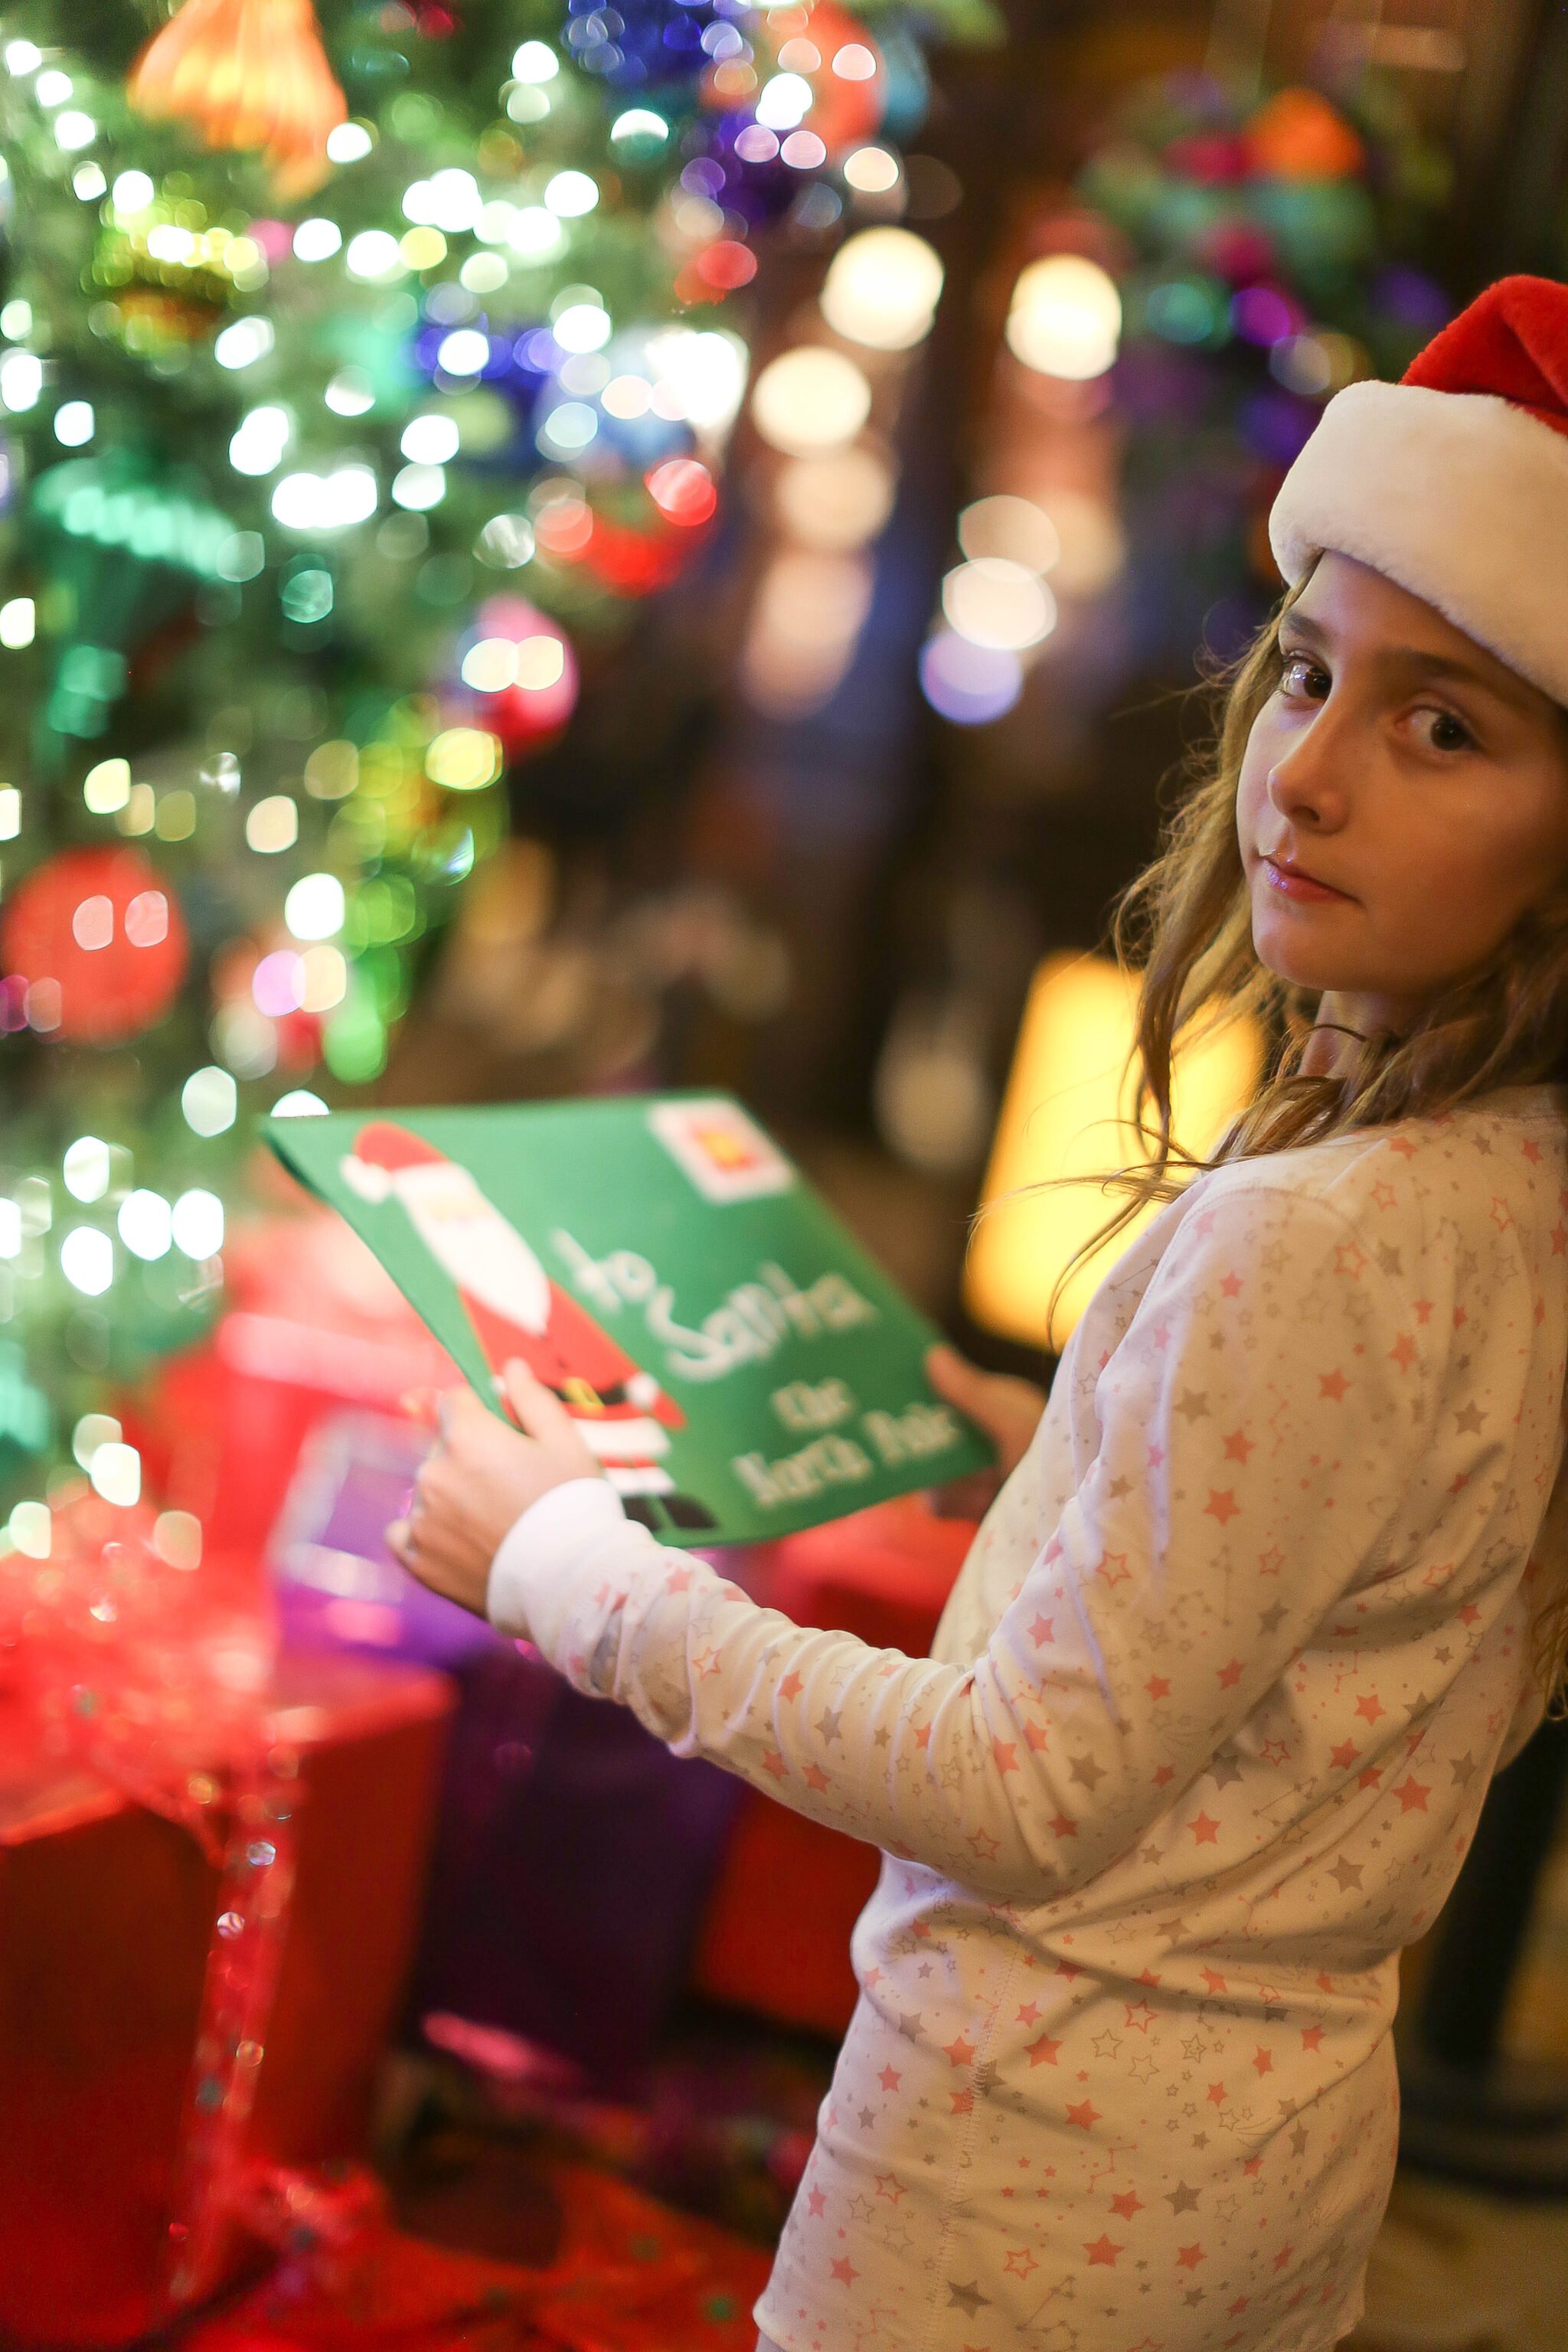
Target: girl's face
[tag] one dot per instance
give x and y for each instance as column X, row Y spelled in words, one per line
column 1404, row 797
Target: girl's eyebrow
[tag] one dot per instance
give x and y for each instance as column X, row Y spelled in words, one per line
column 1417, row 662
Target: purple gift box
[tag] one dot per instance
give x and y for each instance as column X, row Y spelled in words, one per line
column 573, row 1852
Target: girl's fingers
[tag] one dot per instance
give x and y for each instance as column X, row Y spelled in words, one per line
column 537, row 1412
column 953, row 1377
column 399, row 1540
column 960, row 1382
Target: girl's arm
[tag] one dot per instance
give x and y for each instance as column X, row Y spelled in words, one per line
column 1258, row 1426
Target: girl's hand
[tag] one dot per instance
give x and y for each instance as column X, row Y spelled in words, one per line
column 479, row 1480
column 1007, row 1410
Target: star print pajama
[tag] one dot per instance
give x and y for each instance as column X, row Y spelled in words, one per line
column 1203, row 1742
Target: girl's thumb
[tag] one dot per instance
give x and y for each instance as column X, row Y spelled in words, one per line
column 953, row 1376
column 534, row 1409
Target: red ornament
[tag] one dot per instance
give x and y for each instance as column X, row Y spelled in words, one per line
column 98, row 937
column 521, row 672
column 1210, row 157
column 726, row 264
column 682, row 490
column 1238, row 249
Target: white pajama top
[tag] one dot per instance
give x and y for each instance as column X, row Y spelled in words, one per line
column 1202, row 1744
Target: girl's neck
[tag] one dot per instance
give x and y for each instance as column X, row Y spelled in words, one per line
column 1345, row 1017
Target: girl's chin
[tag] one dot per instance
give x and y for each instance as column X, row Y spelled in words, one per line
column 1294, row 949
column 1289, row 961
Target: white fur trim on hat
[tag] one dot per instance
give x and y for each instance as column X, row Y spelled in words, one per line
column 1461, row 497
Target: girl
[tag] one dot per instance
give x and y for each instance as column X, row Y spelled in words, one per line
column 1237, row 1649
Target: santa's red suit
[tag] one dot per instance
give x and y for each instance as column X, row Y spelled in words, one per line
column 518, row 1314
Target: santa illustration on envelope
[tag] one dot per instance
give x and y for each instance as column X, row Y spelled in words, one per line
column 518, row 1314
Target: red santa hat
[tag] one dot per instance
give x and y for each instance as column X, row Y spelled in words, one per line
column 383, row 1144
column 384, row 1152
column 1454, row 481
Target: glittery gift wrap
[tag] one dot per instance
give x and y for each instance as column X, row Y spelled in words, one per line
column 623, row 2274
column 123, row 1943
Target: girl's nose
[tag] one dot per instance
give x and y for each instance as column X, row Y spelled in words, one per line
column 1305, row 782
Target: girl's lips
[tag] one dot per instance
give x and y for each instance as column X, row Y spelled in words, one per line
column 1291, row 883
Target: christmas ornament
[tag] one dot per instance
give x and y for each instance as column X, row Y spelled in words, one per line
column 1258, row 279
column 246, row 74
column 849, row 80
column 520, row 675
column 473, row 341
column 127, row 542
column 172, row 273
column 99, row 939
column 1297, row 136
column 652, row 41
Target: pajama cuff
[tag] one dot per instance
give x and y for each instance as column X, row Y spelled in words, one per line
column 544, row 1545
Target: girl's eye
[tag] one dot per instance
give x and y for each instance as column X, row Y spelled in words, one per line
column 1302, row 676
column 1443, row 732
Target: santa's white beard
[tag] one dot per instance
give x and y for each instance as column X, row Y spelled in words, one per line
column 489, row 1260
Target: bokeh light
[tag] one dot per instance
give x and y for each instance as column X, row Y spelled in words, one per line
column 210, row 1101
column 87, row 1260
column 883, row 288
column 1014, row 528
column 872, row 171
column 841, row 499
column 1091, row 543
column 810, row 399
column 87, row 1168
column 198, row 1223
column 145, row 1224
column 315, row 907
column 967, row 683
column 1064, row 318
column 997, row 604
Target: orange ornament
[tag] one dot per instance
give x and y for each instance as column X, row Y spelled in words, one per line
column 246, row 74
column 1300, row 136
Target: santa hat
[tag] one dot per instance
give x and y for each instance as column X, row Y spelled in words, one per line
column 1454, row 481
column 384, row 1153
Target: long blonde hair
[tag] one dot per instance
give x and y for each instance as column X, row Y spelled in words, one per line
column 1184, row 926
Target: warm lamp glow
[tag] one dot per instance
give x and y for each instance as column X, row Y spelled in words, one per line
column 1064, row 1114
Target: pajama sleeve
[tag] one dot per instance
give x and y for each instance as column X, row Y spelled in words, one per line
column 1268, row 1404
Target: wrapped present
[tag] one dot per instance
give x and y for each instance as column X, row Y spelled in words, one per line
column 623, row 2274
column 210, row 1862
column 314, row 1327
column 775, row 1932
column 573, row 1857
column 336, row 1584
column 573, row 1852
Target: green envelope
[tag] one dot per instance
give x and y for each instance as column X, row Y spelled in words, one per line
column 737, row 1363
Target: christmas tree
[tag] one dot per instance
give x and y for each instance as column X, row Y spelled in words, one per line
column 359, row 369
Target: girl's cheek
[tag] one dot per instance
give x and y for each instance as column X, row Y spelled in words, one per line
column 1252, row 792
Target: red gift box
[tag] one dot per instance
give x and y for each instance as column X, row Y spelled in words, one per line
column 776, row 1934
column 107, row 1912
column 312, row 1324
